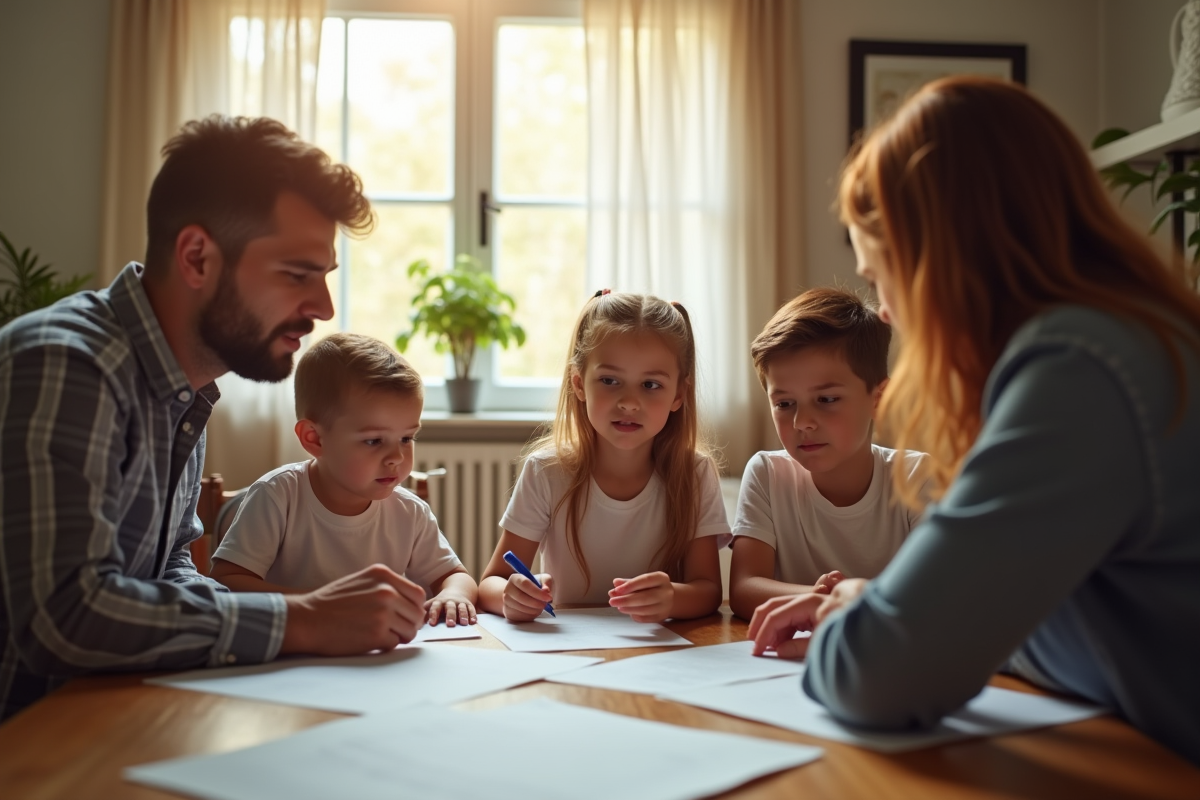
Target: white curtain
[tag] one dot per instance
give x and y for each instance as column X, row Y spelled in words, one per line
column 695, row 180
column 175, row 60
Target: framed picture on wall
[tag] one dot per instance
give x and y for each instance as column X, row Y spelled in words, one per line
column 884, row 73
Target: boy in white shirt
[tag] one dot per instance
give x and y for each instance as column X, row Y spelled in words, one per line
column 302, row 525
column 821, row 509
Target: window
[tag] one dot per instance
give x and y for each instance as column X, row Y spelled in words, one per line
column 439, row 106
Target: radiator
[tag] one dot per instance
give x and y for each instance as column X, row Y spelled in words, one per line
column 471, row 497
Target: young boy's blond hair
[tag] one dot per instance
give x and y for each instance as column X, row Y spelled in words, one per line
column 831, row 318
column 343, row 362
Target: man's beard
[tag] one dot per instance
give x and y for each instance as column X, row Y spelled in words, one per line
column 234, row 334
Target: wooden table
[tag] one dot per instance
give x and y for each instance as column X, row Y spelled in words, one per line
column 74, row 743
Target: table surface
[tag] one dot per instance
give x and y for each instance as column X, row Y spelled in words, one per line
column 74, row 743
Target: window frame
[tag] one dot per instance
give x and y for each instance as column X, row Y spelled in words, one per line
column 476, row 25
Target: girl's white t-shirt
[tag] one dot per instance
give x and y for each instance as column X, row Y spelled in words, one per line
column 619, row 538
column 283, row 533
column 779, row 504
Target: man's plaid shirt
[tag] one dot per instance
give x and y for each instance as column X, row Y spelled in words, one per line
column 101, row 451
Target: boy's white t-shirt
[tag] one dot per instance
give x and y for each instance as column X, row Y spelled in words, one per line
column 619, row 538
column 283, row 533
column 779, row 504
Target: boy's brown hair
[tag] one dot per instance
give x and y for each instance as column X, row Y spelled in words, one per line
column 831, row 318
column 343, row 362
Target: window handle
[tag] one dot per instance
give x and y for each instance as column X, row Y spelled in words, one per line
column 485, row 208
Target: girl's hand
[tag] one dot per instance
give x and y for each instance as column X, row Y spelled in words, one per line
column 646, row 598
column 458, row 609
column 778, row 620
column 524, row 601
column 827, row 582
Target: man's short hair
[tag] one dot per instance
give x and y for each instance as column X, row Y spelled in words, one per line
column 225, row 175
column 343, row 363
column 829, row 318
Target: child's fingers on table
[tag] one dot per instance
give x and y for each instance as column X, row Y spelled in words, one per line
column 434, row 608
column 639, row 584
column 638, row 600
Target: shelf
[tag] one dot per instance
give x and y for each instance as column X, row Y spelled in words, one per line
column 1151, row 144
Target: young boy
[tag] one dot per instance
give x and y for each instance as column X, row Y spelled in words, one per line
column 821, row 508
column 303, row 525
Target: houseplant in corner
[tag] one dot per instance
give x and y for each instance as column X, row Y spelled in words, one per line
column 461, row 310
column 28, row 285
column 1183, row 189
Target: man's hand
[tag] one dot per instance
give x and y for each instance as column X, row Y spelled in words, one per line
column 372, row 609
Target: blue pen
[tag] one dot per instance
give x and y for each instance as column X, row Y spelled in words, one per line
column 516, row 564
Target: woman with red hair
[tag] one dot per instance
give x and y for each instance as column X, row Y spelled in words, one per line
column 1050, row 366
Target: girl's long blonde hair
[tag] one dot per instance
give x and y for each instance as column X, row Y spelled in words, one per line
column 572, row 439
column 989, row 212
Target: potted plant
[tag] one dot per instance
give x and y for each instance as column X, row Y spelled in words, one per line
column 461, row 310
column 1161, row 182
column 30, row 286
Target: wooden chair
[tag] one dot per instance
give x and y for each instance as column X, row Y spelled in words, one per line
column 213, row 498
column 217, row 508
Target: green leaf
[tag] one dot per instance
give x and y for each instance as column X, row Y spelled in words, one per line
column 1165, row 213
column 460, row 310
column 1180, row 182
column 30, row 285
column 1108, row 136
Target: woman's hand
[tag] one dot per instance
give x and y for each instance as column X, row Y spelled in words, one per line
column 777, row 621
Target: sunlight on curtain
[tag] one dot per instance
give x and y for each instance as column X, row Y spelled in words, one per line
column 695, row 179
column 176, row 60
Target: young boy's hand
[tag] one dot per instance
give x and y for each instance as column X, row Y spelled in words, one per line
column 646, row 598
column 458, row 608
column 826, row 583
column 523, row 600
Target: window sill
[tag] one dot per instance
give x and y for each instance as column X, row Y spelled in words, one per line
column 482, row 426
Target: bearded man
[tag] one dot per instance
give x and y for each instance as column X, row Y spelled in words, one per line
column 104, row 398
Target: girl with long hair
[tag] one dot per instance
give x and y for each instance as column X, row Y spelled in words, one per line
column 620, row 492
column 1050, row 366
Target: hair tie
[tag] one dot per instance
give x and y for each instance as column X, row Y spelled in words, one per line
column 602, row 292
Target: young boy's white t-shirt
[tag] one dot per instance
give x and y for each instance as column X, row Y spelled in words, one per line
column 283, row 533
column 779, row 504
column 619, row 538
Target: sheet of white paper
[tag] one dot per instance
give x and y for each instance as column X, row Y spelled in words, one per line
column 579, row 629
column 403, row 677
column 576, row 752
column 440, row 633
column 680, row 670
column 781, row 702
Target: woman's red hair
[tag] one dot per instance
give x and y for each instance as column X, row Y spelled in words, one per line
column 989, row 213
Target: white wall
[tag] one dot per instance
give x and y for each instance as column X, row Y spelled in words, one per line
column 1097, row 62
column 53, row 63
column 1062, row 37
column 1135, row 61
column 1135, row 75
